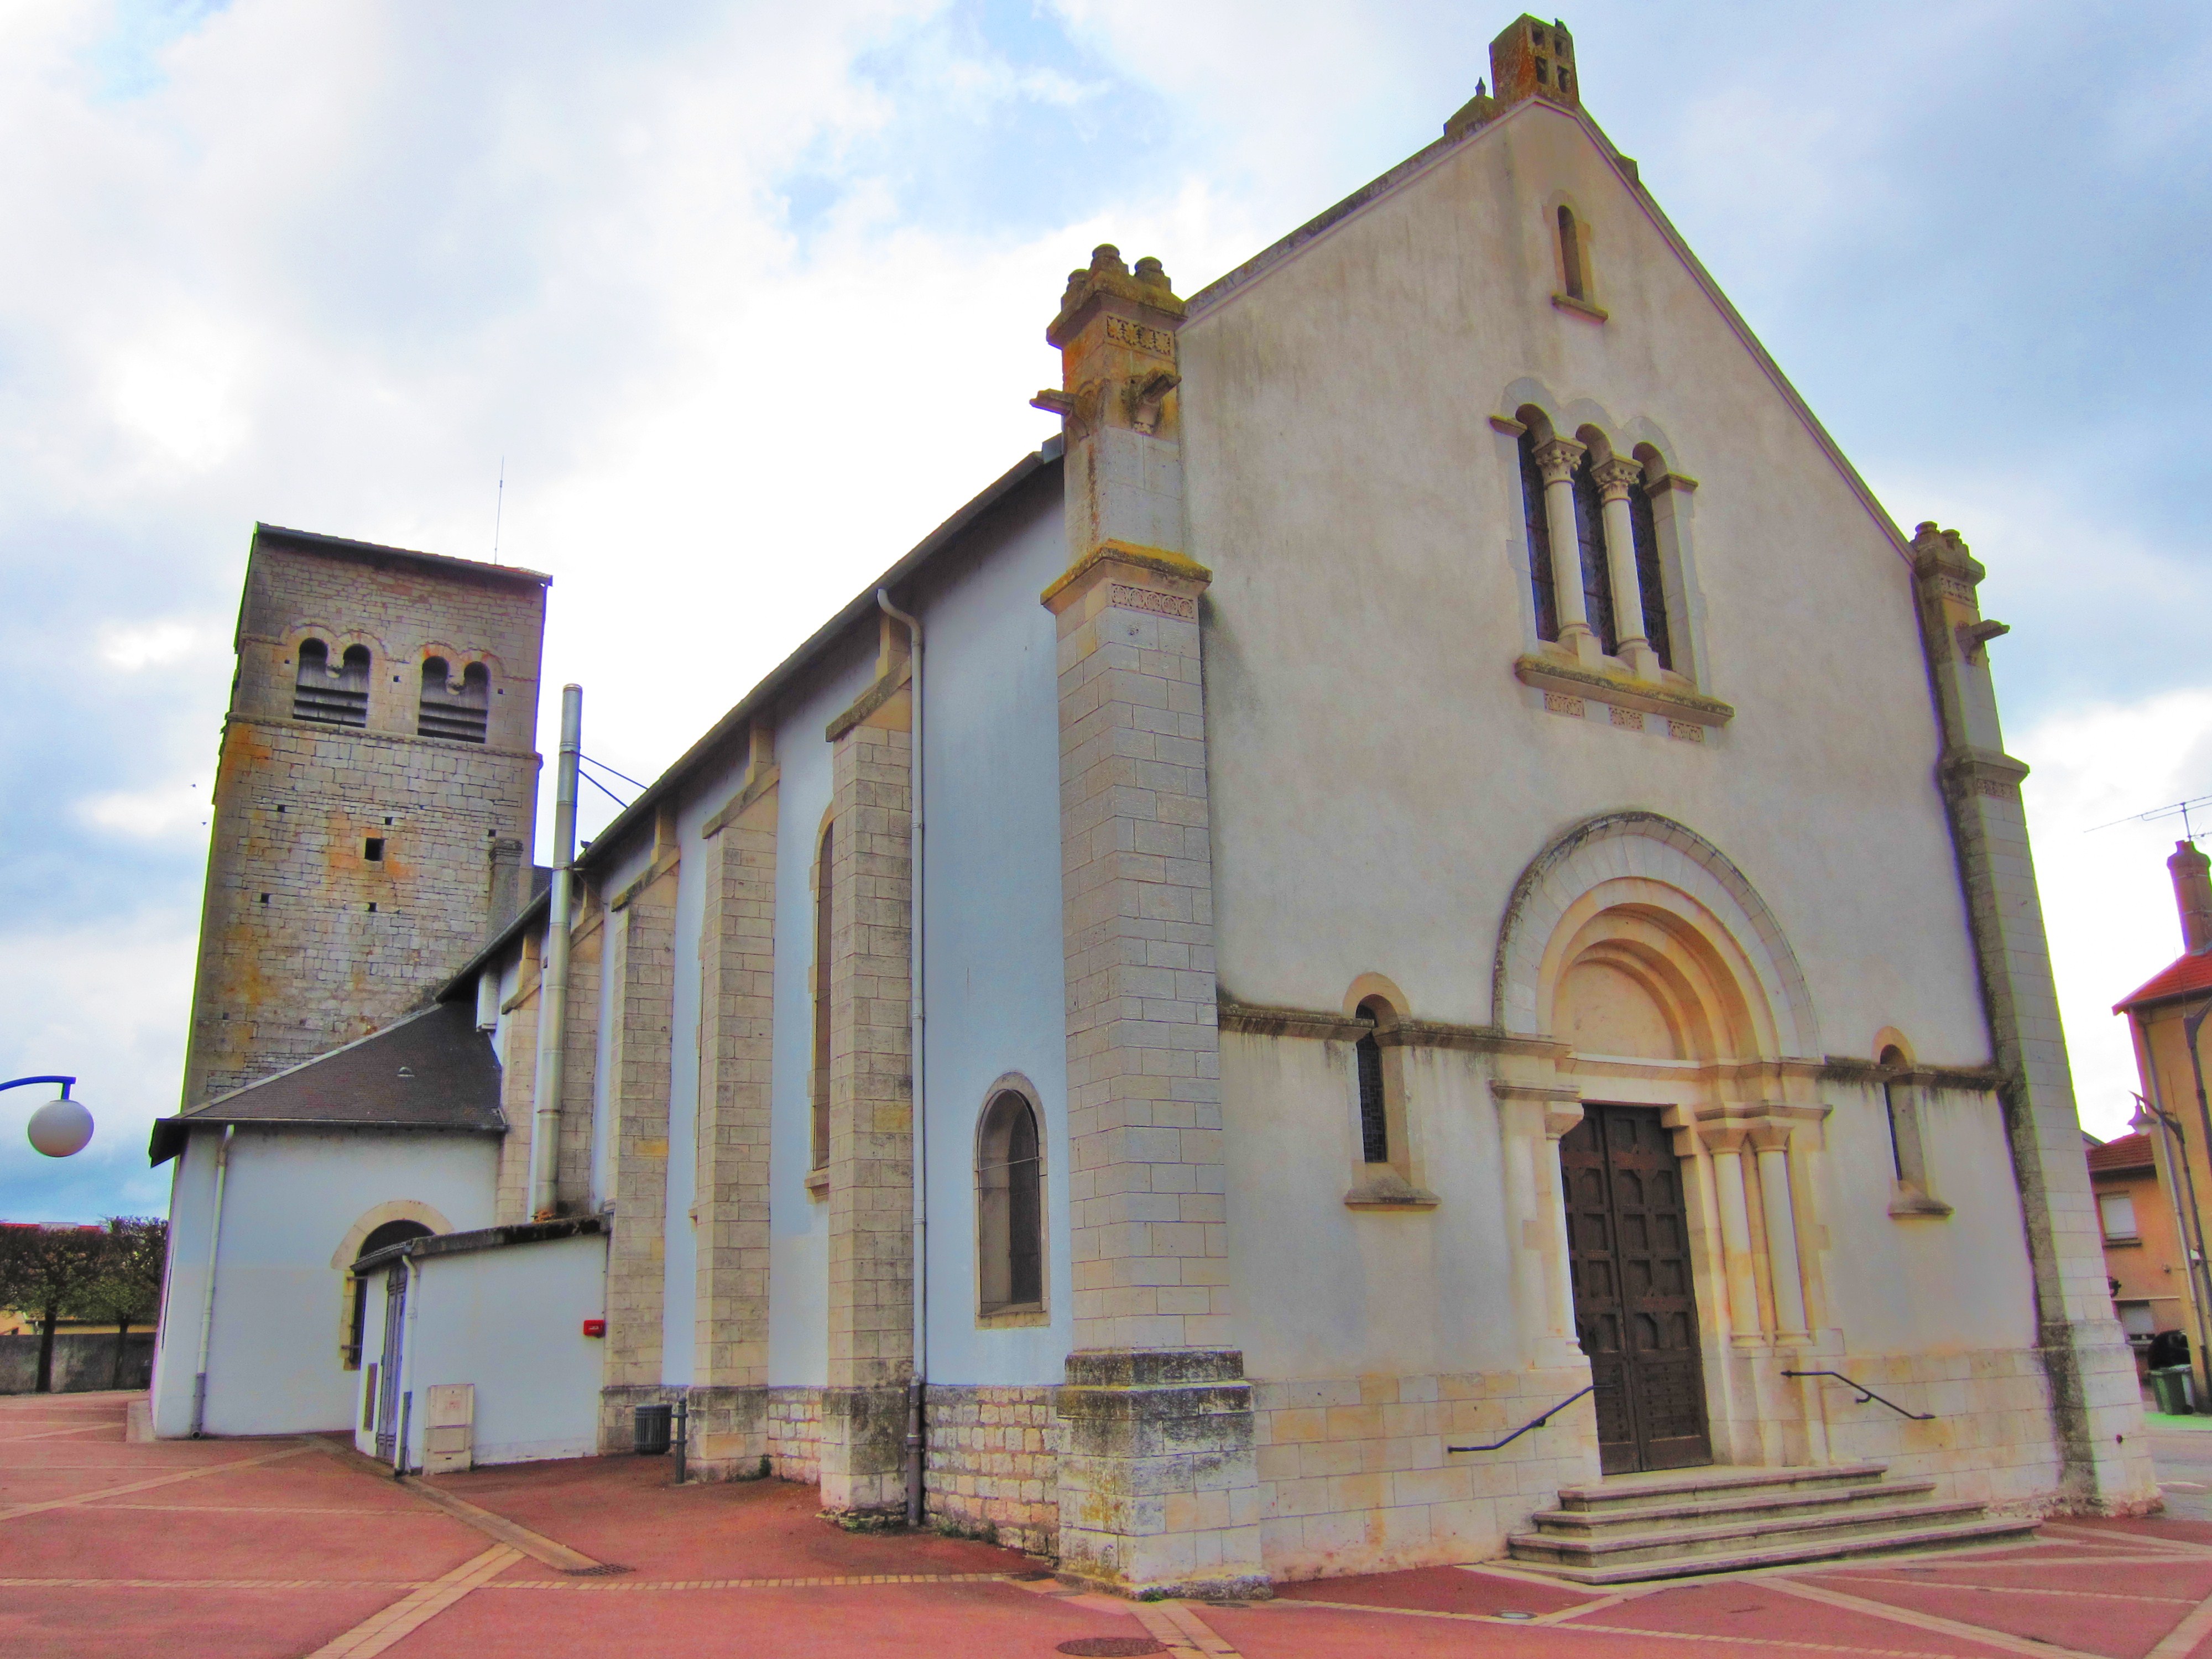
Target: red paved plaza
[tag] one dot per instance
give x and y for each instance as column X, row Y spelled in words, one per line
column 283, row 1547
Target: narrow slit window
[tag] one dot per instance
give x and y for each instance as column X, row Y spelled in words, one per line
column 1589, row 531
column 1650, row 579
column 824, row 908
column 330, row 696
column 1906, row 1155
column 1009, row 1206
column 1539, row 530
column 1373, row 1106
column 1571, row 248
column 458, row 711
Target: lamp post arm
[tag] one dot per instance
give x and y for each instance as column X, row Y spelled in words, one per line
column 67, row 1083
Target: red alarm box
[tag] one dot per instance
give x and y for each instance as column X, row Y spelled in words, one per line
column 595, row 1327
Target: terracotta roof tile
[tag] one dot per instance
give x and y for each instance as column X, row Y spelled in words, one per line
column 2186, row 974
column 2128, row 1152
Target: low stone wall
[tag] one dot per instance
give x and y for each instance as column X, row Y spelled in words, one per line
column 794, row 1435
column 1354, row 1476
column 1990, row 1440
column 83, row 1361
column 993, row 1464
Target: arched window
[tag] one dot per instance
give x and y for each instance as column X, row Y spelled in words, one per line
column 459, row 713
column 1906, row 1154
column 823, row 940
column 1374, row 1108
column 328, row 696
column 1009, row 1206
column 1589, row 531
column 1571, row 250
column 391, row 1232
column 1538, row 528
column 1650, row 579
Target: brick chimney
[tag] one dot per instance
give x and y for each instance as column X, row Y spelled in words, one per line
column 1535, row 59
column 2193, row 894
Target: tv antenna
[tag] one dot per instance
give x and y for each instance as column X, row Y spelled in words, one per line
column 499, row 508
column 2179, row 809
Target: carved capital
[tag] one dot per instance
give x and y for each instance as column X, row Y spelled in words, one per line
column 1617, row 477
column 1771, row 1134
column 1725, row 1138
column 1558, row 457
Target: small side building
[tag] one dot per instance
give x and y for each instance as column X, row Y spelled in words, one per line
column 2143, row 1242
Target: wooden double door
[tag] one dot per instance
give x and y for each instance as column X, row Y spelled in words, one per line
column 1628, row 1246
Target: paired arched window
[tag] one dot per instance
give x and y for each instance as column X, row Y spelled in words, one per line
column 328, row 696
column 1611, row 499
column 457, row 710
column 823, row 910
column 391, row 1232
column 1009, row 1206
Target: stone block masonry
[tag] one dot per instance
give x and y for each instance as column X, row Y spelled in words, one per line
column 351, row 868
column 993, row 1465
column 871, row 1313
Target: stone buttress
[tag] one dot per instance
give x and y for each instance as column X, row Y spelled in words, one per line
column 1158, row 1491
column 2096, row 1403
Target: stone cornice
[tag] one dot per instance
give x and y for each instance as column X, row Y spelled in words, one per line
column 1179, row 567
column 661, row 866
column 318, row 729
column 755, row 790
column 1253, row 1020
column 871, row 699
column 1550, row 673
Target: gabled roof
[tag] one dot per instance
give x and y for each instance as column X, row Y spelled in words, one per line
column 2185, row 976
column 2128, row 1152
column 433, row 1070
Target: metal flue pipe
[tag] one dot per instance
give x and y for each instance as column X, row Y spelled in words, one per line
column 553, row 971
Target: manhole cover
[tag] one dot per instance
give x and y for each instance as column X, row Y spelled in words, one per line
column 1111, row 1647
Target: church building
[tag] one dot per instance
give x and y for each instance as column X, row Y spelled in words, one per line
column 1423, row 909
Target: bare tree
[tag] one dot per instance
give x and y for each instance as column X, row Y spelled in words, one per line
column 126, row 1287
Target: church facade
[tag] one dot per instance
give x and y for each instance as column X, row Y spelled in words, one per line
column 1424, row 906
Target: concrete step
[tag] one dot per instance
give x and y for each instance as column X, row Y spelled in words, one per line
column 1633, row 1490
column 1906, row 1541
column 1678, row 1543
column 1758, row 1504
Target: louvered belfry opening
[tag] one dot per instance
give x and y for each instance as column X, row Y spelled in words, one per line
column 327, row 695
column 458, row 712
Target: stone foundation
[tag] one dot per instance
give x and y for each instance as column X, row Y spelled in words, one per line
column 794, row 1435
column 863, row 1450
column 993, row 1464
column 728, row 1427
column 1991, row 1440
column 1354, row 1476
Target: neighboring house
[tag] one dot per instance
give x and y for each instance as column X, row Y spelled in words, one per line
column 2142, row 1244
column 1458, row 861
column 2159, row 1013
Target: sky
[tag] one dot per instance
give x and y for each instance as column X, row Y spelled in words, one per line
column 740, row 300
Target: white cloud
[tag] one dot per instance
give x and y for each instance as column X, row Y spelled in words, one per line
column 153, row 814
column 167, row 641
column 2107, row 900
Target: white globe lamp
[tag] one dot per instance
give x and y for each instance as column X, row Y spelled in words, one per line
column 61, row 1128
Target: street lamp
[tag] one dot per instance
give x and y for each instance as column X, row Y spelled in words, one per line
column 62, row 1128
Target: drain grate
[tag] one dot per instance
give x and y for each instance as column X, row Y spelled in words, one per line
column 1110, row 1647
column 605, row 1569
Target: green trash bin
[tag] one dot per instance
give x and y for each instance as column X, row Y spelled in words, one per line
column 2171, row 1385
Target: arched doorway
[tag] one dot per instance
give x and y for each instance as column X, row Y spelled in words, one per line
column 378, row 1238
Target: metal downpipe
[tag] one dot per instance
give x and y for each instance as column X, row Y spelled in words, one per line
column 916, row 1387
column 207, row 1306
column 553, row 971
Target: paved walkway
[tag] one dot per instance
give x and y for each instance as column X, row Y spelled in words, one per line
column 288, row 1547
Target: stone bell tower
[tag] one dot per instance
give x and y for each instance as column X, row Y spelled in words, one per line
column 1159, row 1489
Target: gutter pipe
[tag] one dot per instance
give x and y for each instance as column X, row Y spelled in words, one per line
column 920, row 1018
column 207, row 1307
column 2200, row 1267
column 553, row 972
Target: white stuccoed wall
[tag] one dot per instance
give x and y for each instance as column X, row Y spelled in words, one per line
column 273, row 1363
column 1380, row 778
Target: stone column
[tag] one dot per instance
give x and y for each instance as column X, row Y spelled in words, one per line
column 1159, row 1492
column 1726, row 1142
column 642, row 920
column 870, row 1169
column 1771, row 1141
column 2096, row 1402
column 1615, row 479
column 1557, row 459
column 737, row 1002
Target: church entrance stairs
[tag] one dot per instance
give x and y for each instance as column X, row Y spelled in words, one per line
column 1636, row 1528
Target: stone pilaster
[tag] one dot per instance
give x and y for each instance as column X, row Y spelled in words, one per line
column 640, row 955
column 871, row 1192
column 2096, row 1404
column 573, row 1175
column 737, row 992
column 1158, row 1490
column 518, row 1083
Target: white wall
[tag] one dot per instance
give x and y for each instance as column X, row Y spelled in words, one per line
column 993, row 935
column 273, row 1361
column 509, row 1320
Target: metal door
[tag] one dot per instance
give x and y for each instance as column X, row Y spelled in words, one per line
column 1629, row 1250
column 387, row 1380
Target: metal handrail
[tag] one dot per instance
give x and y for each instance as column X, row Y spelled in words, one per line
column 1867, row 1394
column 1533, row 1422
